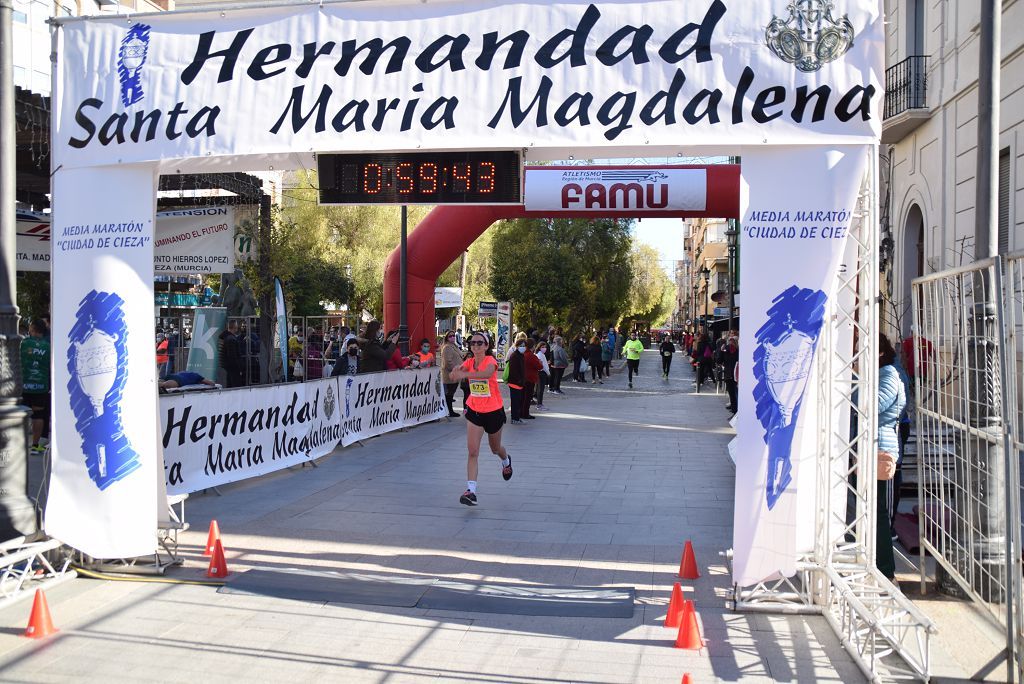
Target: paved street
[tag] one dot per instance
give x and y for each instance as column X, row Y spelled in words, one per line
column 608, row 485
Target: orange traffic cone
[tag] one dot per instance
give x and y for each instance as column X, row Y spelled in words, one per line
column 687, row 679
column 218, row 564
column 675, row 607
column 39, row 623
column 689, row 630
column 212, row 538
column 688, row 565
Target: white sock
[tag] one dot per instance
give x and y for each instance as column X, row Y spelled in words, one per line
column 506, row 462
column 471, row 486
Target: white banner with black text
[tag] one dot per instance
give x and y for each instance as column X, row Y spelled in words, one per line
column 376, row 403
column 656, row 75
column 799, row 207
column 213, row 438
column 198, row 240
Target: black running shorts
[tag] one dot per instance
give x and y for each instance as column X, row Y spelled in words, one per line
column 491, row 421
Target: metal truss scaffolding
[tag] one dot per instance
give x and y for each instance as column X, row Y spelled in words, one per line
column 887, row 636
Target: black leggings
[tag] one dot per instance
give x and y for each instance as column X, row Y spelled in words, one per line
column 449, row 395
column 595, row 371
column 634, row 367
column 666, row 363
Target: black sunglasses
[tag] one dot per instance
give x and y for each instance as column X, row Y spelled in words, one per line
column 478, row 343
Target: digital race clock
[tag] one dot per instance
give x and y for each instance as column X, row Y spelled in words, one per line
column 420, row 178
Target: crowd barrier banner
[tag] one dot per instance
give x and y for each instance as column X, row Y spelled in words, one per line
column 376, row 403
column 213, row 438
column 102, row 498
column 799, row 207
column 197, row 240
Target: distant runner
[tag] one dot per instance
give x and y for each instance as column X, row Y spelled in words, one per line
column 484, row 412
column 633, row 349
column 667, row 350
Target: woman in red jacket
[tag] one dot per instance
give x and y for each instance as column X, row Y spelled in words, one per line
column 531, row 370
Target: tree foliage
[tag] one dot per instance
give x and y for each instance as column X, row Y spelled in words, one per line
column 571, row 273
column 652, row 293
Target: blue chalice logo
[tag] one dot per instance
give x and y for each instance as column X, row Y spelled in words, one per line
column 97, row 364
column 782, row 365
column 131, row 56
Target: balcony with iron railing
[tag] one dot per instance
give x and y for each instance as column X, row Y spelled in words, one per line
column 906, row 98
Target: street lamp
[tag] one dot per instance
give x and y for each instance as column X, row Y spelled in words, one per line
column 730, row 236
column 706, row 274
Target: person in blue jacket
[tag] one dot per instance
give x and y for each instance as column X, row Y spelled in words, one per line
column 892, row 399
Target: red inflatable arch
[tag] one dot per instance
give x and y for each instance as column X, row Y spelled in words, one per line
column 449, row 230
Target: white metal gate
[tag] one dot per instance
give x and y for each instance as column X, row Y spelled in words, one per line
column 968, row 418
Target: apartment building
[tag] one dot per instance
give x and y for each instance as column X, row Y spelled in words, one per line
column 929, row 141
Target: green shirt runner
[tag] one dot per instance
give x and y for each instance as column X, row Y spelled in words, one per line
column 633, row 349
column 35, row 365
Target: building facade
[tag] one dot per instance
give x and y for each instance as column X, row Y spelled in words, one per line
column 929, row 142
column 708, row 285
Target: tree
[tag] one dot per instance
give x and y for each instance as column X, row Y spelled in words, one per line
column 652, row 293
column 566, row 272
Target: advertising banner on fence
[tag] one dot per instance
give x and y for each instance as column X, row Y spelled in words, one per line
column 582, row 188
column 565, row 75
column 199, row 240
column 376, row 403
column 189, row 241
column 799, row 208
column 102, row 496
column 213, row 438
column 204, row 354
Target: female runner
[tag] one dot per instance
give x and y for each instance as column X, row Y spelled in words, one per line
column 484, row 412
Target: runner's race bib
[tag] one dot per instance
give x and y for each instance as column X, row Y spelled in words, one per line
column 480, row 388
column 667, row 353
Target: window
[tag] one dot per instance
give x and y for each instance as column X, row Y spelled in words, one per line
column 915, row 28
column 19, row 17
column 1004, row 201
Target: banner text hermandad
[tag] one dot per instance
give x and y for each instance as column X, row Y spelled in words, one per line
column 492, row 75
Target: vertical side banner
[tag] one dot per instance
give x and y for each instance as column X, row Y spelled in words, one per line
column 504, row 338
column 282, row 326
column 102, row 497
column 799, row 207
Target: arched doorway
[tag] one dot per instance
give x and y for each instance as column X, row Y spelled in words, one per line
column 913, row 264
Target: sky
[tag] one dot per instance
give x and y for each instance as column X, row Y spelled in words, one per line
column 666, row 236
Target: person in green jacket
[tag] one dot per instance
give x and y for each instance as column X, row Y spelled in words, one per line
column 35, row 374
column 633, row 349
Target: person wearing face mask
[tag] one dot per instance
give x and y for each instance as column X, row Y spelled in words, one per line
column 425, row 356
column 375, row 348
column 348, row 363
column 544, row 374
column 517, row 380
column 531, row 373
column 633, row 349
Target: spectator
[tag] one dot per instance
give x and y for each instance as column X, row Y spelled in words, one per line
column 162, row 357
column 424, row 355
column 595, row 361
column 531, row 372
column 231, row 358
column 559, row 362
column 730, row 357
column 376, row 349
column 451, row 358
column 35, row 374
column 544, row 375
column 607, row 350
column 516, row 381
column 891, row 400
column 184, row 379
column 703, row 355
column 348, row 363
column 579, row 352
